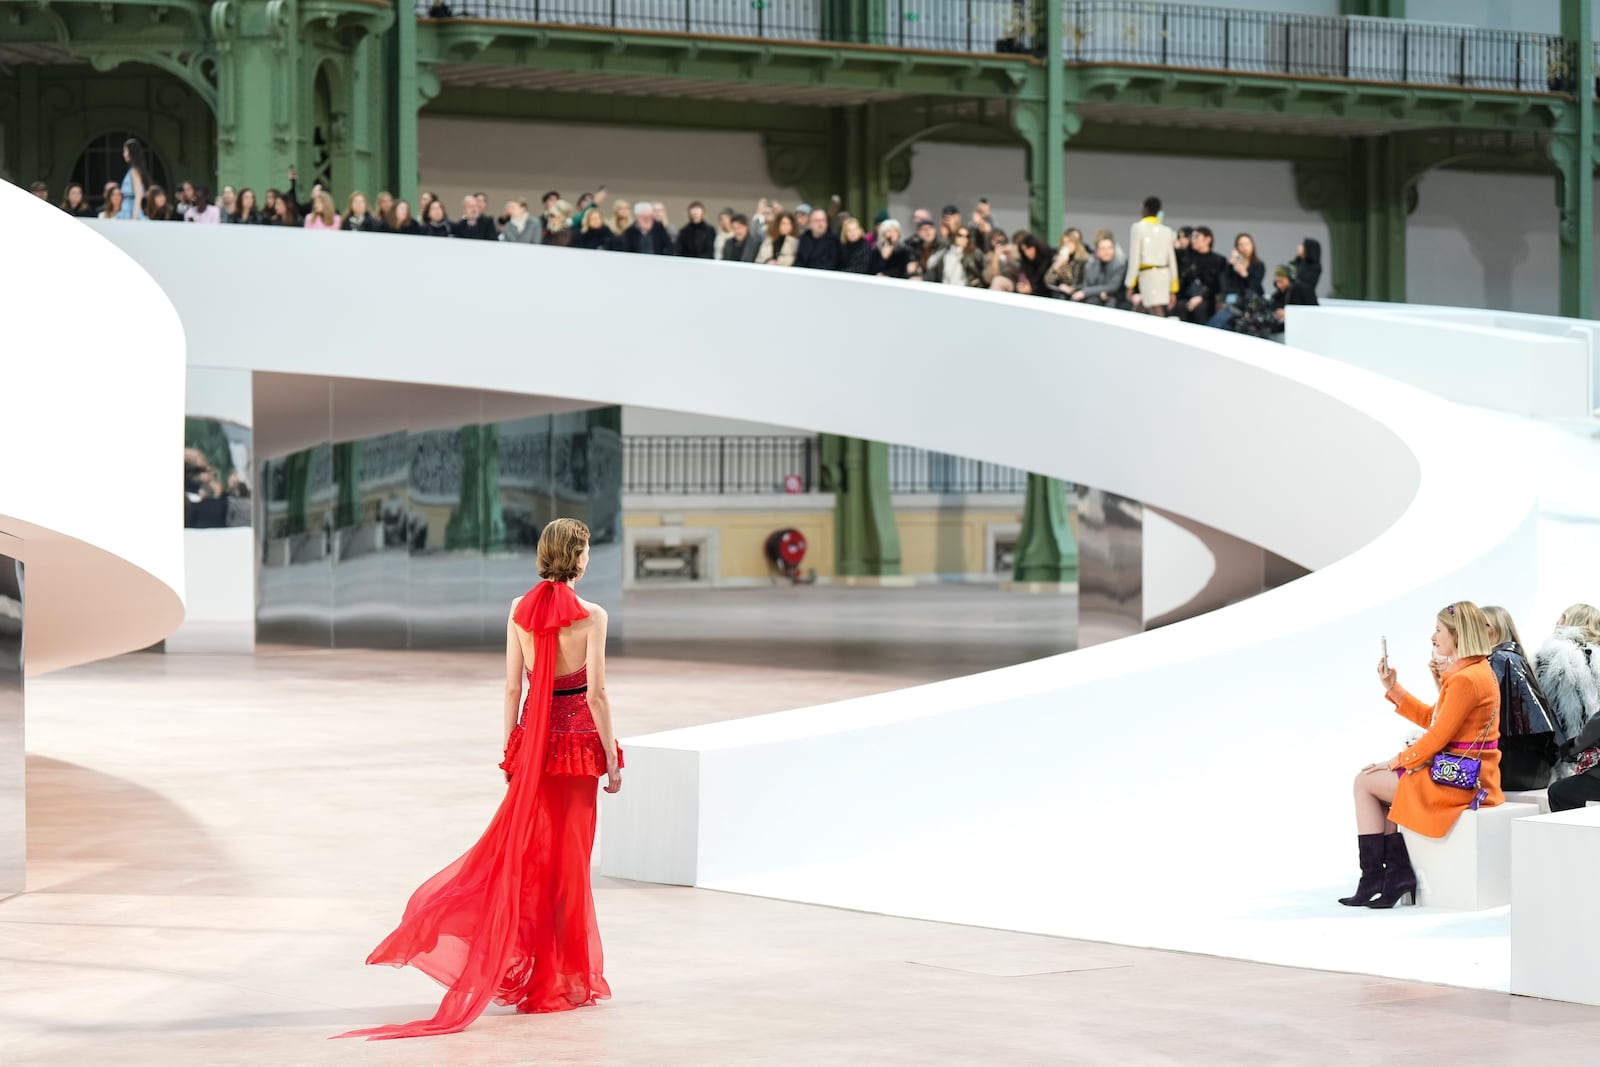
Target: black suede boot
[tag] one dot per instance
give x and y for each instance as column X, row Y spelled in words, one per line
column 1371, row 849
column 1399, row 880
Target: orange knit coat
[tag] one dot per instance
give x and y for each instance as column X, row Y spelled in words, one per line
column 1468, row 699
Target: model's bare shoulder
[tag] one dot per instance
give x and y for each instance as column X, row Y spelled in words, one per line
column 596, row 612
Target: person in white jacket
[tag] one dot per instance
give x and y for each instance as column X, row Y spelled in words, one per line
column 1153, row 262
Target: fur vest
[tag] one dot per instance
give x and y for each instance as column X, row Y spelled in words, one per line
column 1569, row 673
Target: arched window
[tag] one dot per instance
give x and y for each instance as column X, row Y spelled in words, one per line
column 101, row 162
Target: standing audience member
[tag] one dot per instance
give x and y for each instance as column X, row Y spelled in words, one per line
column 781, row 244
column 436, row 223
column 385, row 212
column 742, row 246
column 135, row 180
column 1528, row 747
column 521, row 227
column 111, row 201
column 75, row 204
column 1307, row 264
column 819, row 245
column 1152, row 262
column 594, row 234
column 855, row 251
column 203, row 210
column 1241, row 281
column 473, row 224
column 244, row 209
column 697, row 239
column 357, row 217
column 892, row 258
column 1199, row 299
column 1568, row 667
column 157, row 207
column 1104, row 276
column 660, row 210
column 558, row 225
column 323, row 216
column 646, row 235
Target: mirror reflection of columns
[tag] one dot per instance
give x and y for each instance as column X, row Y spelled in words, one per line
column 13, row 777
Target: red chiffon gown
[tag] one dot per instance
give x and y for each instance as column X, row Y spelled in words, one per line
column 513, row 920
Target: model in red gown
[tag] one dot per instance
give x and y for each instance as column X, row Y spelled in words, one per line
column 513, row 920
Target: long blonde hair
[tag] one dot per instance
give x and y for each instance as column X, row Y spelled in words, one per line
column 1466, row 622
column 322, row 208
column 1504, row 628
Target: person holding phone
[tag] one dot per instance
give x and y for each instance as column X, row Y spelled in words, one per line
column 1241, row 279
column 1401, row 792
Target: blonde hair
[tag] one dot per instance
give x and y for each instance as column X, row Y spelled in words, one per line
column 1585, row 618
column 1504, row 628
column 322, row 208
column 1467, row 624
column 561, row 545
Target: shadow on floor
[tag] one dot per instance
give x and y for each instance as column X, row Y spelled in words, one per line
column 90, row 832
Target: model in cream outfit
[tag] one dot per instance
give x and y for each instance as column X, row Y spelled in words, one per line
column 1152, row 261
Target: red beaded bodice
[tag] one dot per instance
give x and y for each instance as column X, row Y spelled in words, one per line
column 572, row 746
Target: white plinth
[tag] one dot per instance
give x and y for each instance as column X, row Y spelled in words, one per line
column 1540, row 797
column 1468, row 869
column 1555, row 866
column 651, row 831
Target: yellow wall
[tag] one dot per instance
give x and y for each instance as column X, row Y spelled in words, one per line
column 947, row 541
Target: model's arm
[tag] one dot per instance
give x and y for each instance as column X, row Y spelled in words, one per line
column 599, row 700
column 514, row 669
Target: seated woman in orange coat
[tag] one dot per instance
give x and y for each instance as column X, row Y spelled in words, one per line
column 1402, row 792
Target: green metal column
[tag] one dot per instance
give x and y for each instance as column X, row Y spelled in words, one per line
column 1365, row 199
column 866, row 538
column 258, row 91
column 478, row 520
column 1574, row 155
column 407, row 99
column 1046, row 552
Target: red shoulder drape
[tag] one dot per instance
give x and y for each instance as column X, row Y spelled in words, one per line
column 464, row 926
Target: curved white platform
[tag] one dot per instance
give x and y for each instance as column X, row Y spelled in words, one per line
column 1185, row 788
column 91, row 429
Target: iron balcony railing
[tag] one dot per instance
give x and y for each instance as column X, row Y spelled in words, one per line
column 1354, row 49
column 982, row 26
column 679, row 465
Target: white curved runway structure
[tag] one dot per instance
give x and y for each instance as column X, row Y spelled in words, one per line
column 1186, row 788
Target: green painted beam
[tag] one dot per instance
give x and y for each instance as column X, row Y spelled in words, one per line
column 1574, row 154
column 1380, row 9
column 591, row 109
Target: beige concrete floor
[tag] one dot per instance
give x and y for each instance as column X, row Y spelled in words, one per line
column 216, row 842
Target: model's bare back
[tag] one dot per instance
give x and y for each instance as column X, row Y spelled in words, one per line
column 573, row 648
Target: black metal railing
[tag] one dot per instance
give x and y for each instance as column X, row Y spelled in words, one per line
column 684, row 464
column 1354, row 49
column 755, row 464
column 981, row 26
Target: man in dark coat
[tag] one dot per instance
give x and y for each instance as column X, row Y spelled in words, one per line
column 646, row 235
column 698, row 238
column 742, row 246
column 819, row 245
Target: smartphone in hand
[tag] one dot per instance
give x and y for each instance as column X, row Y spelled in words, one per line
column 1385, row 641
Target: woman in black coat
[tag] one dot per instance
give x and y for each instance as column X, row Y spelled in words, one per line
column 855, row 254
column 596, row 234
column 891, row 258
column 1241, row 280
column 1307, row 264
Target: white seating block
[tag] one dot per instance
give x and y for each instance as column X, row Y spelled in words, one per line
column 1540, row 797
column 1555, row 866
column 1469, row 869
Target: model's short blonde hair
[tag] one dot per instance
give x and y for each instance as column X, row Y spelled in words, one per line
column 561, row 546
column 1468, row 625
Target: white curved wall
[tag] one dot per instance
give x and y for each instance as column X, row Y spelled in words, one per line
column 1175, row 753
column 91, row 431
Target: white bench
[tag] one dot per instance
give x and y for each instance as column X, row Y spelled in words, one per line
column 1541, row 797
column 1555, row 866
column 1469, row 869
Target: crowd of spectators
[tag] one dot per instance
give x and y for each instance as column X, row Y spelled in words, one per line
column 952, row 248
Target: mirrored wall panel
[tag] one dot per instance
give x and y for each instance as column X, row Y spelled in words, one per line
column 419, row 535
column 13, row 813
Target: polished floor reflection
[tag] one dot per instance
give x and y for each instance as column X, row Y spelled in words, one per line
column 217, row 841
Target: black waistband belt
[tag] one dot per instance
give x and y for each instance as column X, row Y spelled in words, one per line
column 577, row 691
